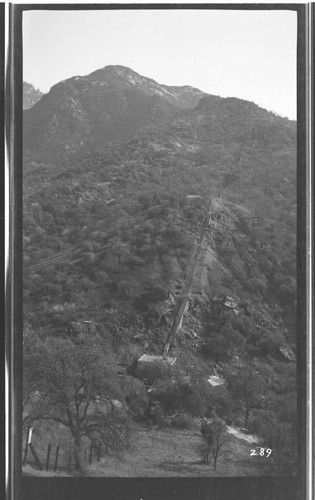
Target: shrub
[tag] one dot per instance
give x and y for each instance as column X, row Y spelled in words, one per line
column 136, row 397
column 168, row 395
column 179, row 395
column 221, row 345
column 153, row 371
column 269, row 342
column 222, row 403
column 182, row 421
column 280, row 436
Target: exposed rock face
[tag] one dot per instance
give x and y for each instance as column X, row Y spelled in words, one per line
column 123, row 78
column 111, row 103
column 31, row 95
column 288, row 353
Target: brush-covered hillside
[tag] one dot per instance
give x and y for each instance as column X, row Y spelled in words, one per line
column 109, row 235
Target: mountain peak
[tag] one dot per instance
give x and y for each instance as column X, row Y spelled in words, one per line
column 122, row 76
column 114, row 69
column 118, row 75
column 110, row 103
column 119, row 68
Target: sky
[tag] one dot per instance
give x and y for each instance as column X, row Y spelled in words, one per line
column 245, row 54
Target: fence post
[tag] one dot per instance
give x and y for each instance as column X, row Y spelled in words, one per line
column 56, row 457
column 38, row 463
column 91, row 450
column 48, row 457
column 26, row 446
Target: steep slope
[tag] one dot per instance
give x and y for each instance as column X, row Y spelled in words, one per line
column 31, row 95
column 133, row 213
column 86, row 112
column 108, row 238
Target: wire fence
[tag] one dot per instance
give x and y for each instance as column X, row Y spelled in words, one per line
column 56, row 458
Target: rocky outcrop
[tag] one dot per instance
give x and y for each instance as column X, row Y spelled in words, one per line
column 31, row 95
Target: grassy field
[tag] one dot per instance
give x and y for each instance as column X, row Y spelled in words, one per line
column 163, row 453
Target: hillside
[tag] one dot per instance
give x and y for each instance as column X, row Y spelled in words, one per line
column 108, row 236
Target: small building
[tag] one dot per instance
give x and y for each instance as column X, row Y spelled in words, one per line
column 151, row 358
column 215, row 380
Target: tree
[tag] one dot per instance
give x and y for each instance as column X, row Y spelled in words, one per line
column 279, row 433
column 152, row 372
column 136, row 397
column 74, row 385
column 221, row 343
column 214, row 437
column 247, row 386
column 277, row 425
column 221, row 402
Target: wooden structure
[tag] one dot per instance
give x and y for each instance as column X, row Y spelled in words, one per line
column 151, row 358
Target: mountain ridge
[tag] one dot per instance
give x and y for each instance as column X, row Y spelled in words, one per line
column 82, row 112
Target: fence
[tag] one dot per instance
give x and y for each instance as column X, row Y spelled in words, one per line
column 55, row 457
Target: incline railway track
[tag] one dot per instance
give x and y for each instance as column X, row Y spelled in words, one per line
column 182, row 304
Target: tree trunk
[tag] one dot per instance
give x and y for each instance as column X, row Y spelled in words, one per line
column 215, row 458
column 77, row 451
column 207, row 456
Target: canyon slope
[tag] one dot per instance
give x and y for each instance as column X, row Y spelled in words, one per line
column 119, row 176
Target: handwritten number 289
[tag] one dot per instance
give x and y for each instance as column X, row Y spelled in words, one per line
column 262, row 452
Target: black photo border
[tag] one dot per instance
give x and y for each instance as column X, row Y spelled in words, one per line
column 2, row 228
column 217, row 488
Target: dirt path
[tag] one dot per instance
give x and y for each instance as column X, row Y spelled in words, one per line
column 250, row 438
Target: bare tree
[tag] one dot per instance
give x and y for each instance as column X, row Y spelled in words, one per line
column 74, row 385
column 214, row 437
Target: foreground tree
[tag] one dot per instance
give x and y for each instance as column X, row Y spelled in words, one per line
column 74, row 385
column 214, row 437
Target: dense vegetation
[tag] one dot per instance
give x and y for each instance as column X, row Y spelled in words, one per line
column 107, row 239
